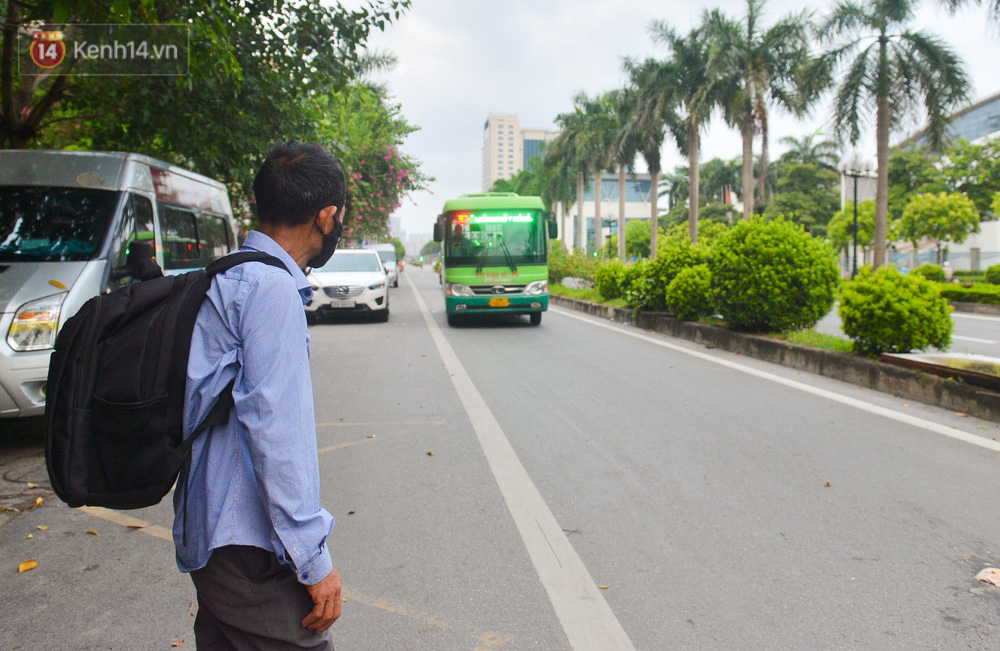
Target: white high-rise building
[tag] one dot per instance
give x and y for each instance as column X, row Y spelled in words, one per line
column 507, row 148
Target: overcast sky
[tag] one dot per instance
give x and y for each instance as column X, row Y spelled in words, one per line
column 460, row 60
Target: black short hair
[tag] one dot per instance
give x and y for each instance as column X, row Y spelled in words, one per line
column 296, row 181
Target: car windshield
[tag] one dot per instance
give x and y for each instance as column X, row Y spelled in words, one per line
column 352, row 262
column 387, row 256
column 495, row 238
column 49, row 224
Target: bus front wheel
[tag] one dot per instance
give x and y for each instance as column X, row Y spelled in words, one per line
column 536, row 318
column 453, row 320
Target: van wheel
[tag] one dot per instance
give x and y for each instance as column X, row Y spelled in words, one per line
column 382, row 316
column 536, row 318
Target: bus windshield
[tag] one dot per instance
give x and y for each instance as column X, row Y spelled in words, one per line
column 494, row 238
column 50, row 224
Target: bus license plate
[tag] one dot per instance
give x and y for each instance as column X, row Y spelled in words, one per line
column 499, row 302
column 341, row 304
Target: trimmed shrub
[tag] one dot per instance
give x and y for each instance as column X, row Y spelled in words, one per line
column 689, row 294
column 608, row 279
column 931, row 272
column 887, row 312
column 662, row 270
column 578, row 264
column 993, row 273
column 772, row 276
column 975, row 294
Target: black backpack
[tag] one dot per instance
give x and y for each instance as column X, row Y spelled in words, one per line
column 114, row 408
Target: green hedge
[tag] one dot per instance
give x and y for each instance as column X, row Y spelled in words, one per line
column 772, row 276
column 930, row 272
column 689, row 294
column 975, row 294
column 993, row 274
column 887, row 312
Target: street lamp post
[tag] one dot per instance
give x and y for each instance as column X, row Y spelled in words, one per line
column 855, row 167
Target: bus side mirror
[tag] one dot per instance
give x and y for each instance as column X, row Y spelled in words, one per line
column 438, row 233
column 553, row 226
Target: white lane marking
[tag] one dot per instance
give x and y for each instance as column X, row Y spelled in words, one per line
column 980, row 317
column 823, row 393
column 973, row 340
column 585, row 616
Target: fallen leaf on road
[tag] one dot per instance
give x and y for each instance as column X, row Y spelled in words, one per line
column 141, row 525
column 960, row 414
column 603, row 587
column 350, row 513
column 371, row 436
column 430, row 454
column 43, row 527
column 39, row 500
column 178, row 643
column 30, row 536
column 990, row 575
column 827, row 485
column 27, row 565
column 191, row 610
column 906, row 404
column 91, row 532
column 30, row 485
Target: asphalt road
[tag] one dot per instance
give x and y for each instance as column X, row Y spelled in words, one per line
column 578, row 485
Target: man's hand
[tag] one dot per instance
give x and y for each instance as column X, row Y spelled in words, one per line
column 326, row 596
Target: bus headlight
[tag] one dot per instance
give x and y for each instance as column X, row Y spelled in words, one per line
column 458, row 289
column 537, row 288
column 35, row 324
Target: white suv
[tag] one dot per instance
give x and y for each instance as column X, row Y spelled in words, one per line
column 353, row 281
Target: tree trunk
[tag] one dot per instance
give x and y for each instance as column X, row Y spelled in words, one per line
column 879, row 241
column 693, row 145
column 598, row 231
column 621, row 211
column 581, row 222
column 8, row 115
column 746, row 131
column 762, row 180
column 562, row 225
column 654, row 227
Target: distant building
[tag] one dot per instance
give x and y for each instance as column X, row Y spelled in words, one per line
column 977, row 122
column 507, row 148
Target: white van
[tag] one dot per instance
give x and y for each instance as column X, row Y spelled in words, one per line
column 387, row 254
column 67, row 220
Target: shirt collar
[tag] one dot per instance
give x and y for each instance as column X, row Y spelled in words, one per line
column 260, row 242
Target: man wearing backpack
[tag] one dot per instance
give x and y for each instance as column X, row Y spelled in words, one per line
column 249, row 527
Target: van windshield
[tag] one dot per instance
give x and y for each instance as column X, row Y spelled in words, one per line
column 48, row 224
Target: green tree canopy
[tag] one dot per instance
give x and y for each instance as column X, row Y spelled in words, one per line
column 840, row 229
column 942, row 217
column 806, row 195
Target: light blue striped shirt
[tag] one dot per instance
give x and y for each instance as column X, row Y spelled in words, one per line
column 255, row 480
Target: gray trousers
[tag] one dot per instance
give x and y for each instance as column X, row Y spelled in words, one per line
column 248, row 600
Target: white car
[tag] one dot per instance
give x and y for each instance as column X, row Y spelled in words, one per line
column 353, row 281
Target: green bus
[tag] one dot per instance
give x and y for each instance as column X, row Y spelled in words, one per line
column 494, row 255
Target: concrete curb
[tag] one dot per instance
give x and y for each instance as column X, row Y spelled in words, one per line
column 873, row 374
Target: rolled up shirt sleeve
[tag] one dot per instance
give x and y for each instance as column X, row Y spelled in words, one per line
column 274, row 400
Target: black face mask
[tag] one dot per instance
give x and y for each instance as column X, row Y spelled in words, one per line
column 330, row 241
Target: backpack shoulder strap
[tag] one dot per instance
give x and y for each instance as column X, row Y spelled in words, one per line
column 227, row 262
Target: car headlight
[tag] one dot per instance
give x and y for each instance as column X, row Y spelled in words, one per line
column 537, row 288
column 458, row 289
column 378, row 285
column 35, row 324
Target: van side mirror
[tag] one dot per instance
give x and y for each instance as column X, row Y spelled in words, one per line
column 139, row 263
column 438, row 233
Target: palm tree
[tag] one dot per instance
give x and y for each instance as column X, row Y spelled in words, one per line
column 567, row 149
column 759, row 65
column 686, row 81
column 557, row 183
column 624, row 149
column 654, row 109
column 811, row 151
column 600, row 128
column 893, row 68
